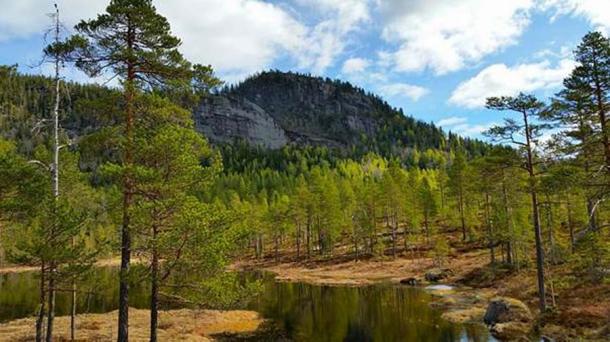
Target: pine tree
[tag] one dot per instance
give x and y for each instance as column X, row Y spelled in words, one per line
column 530, row 109
column 132, row 42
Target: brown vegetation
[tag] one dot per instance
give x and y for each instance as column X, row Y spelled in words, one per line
column 174, row 325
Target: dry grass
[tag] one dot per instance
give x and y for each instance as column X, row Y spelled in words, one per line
column 364, row 272
column 174, row 325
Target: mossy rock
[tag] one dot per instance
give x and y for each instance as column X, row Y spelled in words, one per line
column 508, row 318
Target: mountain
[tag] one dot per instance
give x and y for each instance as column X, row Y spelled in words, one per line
column 273, row 109
column 269, row 110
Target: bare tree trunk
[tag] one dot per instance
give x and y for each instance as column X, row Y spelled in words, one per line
column 55, row 179
column 41, row 305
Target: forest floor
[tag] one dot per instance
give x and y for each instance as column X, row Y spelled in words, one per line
column 581, row 309
column 174, row 325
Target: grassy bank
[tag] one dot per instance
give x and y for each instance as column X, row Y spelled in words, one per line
column 174, row 325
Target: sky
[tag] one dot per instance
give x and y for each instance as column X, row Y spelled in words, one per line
column 436, row 59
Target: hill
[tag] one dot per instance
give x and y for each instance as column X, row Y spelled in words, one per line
column 273, row 109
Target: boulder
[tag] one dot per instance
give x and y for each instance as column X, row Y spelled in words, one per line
column 412, row 281
column 503, row 310
column 508, row 318
column 437, row 274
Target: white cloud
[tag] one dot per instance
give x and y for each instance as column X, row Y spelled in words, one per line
column 499, row 79
column 460, row 125
column 24, row 18
column 329, row 38
column 596, row 12
column 451, row 121
column 445, row 35
column 413, row 92
column 471, row 130
column 236, row 37
column 355, row 65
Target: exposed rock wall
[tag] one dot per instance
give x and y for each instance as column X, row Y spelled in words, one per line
column 226, row 118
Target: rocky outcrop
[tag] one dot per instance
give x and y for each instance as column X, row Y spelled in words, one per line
column 508, row 318
column 226, row 118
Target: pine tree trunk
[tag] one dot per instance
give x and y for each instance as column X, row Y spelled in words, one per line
column 154, row 293
column 73, row 313
column 536, row 217
column 123, row 329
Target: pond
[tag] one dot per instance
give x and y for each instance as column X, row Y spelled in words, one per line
column 302, row 312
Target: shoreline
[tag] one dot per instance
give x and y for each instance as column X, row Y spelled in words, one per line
column 581, row 314
column 109, row 262
column 183, row 324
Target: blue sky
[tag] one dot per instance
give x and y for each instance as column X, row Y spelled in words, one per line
column 437, row 59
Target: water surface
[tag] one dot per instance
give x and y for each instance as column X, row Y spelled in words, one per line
column 301, row 312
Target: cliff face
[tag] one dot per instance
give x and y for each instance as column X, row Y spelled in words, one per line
column 274, row 108
column 226, row 118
